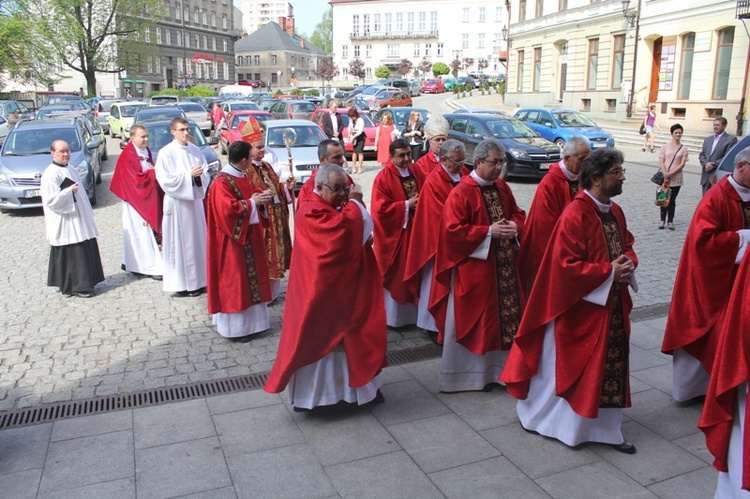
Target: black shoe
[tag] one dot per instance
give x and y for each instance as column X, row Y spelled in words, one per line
column 301, row 409
column 156, row 277
column 83, row 294
column 625, row 447
column 197, row 292
column 433, row 336
column 181, row 294
column 379, row 399
column 241, row 339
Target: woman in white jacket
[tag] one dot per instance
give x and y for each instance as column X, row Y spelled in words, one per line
column 357, row 138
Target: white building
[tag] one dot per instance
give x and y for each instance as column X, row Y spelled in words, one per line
column 382, row 32
column 256, row 13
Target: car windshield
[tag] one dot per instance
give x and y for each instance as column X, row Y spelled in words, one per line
column 371, row 90
column 573, row 119
column 129, row 111
column 105, row 105
column 244, row 106
column 36, row 141
column 510, row 129
column 44, row 113
column 431, row 82
column 160, row 135
column 236, row 120
column 164, row 112
column 307, row 136
column 192, row 108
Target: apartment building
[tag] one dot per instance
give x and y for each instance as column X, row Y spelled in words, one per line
column 256, row 13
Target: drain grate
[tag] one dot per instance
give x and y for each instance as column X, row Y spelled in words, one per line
column 157, row 396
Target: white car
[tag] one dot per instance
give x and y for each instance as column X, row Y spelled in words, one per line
column 415, row 88
column 305, row 136
column 196, row 112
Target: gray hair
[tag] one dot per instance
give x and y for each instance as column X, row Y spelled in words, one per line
column 571, row 146
column 449, row 146
column 742, row 156
column 486, row 146
column 325, row 171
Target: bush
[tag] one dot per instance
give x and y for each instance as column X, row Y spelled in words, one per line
column 296, row 91
column 312, row 92
column 278, row 92
column 440, row 68
column 200, row 91
column 170, row 91
column 382, row 72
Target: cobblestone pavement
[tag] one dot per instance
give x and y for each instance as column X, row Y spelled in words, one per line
column 133, row 336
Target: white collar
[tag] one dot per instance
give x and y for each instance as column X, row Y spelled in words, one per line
column 403, row 171
column 142, row 153
column 233, row 171
column 258, row 163
column 455, row 176
column 743, row 191
column 604, row 208
column 568, row 173
column 479, row 180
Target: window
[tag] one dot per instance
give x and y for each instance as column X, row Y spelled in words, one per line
column 498, row 14
column 686, row 71
column 593, row 63
column 399, row 21
column 439, row 49
column 147, row 38
column 410, row 22
column 257, row 77
column 274, row 78
column 376, row 22
column 422, row 21
column 368, row 50
column 539, row 10
column 480, row 40
column 225, row 46
column 178, row 13
column 169, row 37
column 618, row 61
column 521, row 10
column 368, row 72
column 433, row 21
column 224, row 21
column 356, row 51
column 355, row 24
column 537, row 68
column 256, row 61
column 723, row 61
column 180, row 66
column 366, row 23
column 465, row 41
column 520, row 71
column 226, row 71
column 394, row 49
column 666, row 66
column 215, row 44
column 416, row 50
column 213, row 19
column 466, row 14
column 187, row 41
column 482, row 14
column 427, row 49
column 187, row 13
column 179, row 39
column 158, row 36
column 562, row 5
column 196, row 16
column 205, row 42
column 274, row 60
column 239, row 60
column 345, row 72
column 388, row 22
column 344, row 52
column 204, row 17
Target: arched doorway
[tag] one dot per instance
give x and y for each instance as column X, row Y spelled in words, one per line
column 653, row 90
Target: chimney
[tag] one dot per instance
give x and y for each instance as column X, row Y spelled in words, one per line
column 302, row 42
column 287, row 24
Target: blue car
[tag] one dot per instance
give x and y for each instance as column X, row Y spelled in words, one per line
column 559, row 125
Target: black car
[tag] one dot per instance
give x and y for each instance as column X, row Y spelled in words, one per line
column 153, row 113
column 526, row 154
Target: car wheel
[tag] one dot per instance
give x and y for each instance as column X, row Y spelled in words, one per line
column 504, row 172
column 221, row 149
column 92, row 199
column 112, row 132
column 105, row 156
column 560, row 143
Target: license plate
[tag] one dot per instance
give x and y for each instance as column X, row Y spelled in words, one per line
column 32, row 194
column 304, row 179
column 544, row 166
column 598, row 145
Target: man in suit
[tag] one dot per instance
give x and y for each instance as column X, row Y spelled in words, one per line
column 715, row 147
column 333, row 124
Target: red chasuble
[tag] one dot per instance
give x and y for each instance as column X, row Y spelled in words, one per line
column 391, row 240
column 428, row 163
column 309, row 186
column 334, row 297
column 731, row 369
column 237, row 268
column 705, row 274
column 424, row 234
column 138, row 188
column 576, row 263
column 465, row 225
column 554, row 193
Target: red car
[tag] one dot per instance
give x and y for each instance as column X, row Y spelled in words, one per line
column 252, row 83
column 369, row 127
column 393, row 98
column 433, row 86
column 230, row 131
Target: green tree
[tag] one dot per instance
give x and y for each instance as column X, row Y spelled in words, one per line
column 20, row 58
column 440, row 69
column 90, row 36
column 382, row 72
column 322, row 36
column 200, row 91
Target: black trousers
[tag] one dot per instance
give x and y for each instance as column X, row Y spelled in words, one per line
column 668, row 212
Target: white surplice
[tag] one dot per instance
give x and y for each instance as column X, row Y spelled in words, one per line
column 255, row 318
column 184, row 221
column 425, row 320
column 689, row 379
column 67, row 221
column 729, row 485
column 140, row 251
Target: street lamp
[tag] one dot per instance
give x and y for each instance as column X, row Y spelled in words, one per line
column 278, row 78
column 293, row 80
column 630, row 18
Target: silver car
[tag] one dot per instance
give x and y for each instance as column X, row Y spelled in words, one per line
column 293, row 109
column 415, row 88
column 196, row 112
column 101, row 111
column 307, row 135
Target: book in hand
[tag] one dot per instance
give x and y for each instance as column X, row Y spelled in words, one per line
column 67, row 182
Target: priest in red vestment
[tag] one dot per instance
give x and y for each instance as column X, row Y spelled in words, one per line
column 134, row 181
column 725, row 417
column 476, row 297
column 238, row 282
column 715, row 242
column 278, row 235
column 579, row 312
column 333, row 335
column 329, row 152
column 555, row 191
column 394, row 201
column 424, row 235
column 436, row 132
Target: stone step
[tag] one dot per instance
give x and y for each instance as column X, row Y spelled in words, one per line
column 629, row 136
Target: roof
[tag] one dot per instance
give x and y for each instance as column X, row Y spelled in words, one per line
column 272, row 37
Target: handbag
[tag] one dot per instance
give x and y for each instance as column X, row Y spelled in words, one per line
column 642, row 130
column 658, row 177
column 663, row 195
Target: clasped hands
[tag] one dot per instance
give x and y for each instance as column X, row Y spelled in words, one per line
column 624, row 268
column 503, row 229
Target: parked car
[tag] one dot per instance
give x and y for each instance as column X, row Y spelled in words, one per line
column 559, row 125
column 252, row 83
column 353, row 93
column 479, row 79
column 415, row 88
column 433, row 86
column 121, row 116
column 368, row 94
column 265, row 103
column 293, row 109
column 101, row 111
column 239, row 105
column 196, row 112
column 164, row 100
column 400, row 115
column 726, row 166
column 8, row 107
column 4, row 129
column 482, row 110
column 393, row 98
column 25, row 156
column 45, row 112
column 230, row 131
column 54, row 99
column 399, row 83
column 465, row 80
column 450, row 83
column 159, row 135
column 153, row 113
column 526, row 154
column 97, row 133
column 304, row 151
column 370, row 129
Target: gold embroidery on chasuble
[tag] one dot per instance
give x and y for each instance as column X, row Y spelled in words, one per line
column 251, row 270
column 277, row 236
column 746, row 214
column 615, row 379
column 574, row 186
column 409, row 184
column 508, row 300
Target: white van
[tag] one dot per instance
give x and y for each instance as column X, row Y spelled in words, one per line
column 245, row 90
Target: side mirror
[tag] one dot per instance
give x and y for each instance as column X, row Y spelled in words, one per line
column 123, row 144
column 92, row 145
column 224, row 127
column 212, row 141
column 548, row 124
column 478, row 136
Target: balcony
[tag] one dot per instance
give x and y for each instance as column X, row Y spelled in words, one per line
column 743, row 9
column 393, row 35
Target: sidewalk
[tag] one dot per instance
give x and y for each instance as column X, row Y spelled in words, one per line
column 419, row 443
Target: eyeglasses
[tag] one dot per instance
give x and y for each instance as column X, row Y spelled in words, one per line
column 345, row 189
column 462, row 163
column 182, row 129
column 617, row 172
column 493, row 162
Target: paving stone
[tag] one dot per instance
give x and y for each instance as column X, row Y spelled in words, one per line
column 120, row 489
column 658, row 412
column 170, row 423
column 288, row 472
column 407, row 401
column 644, row 359
column 659, row 377
column 426, row 373
column 24, row 448
column 241, row 401
column 645, row 336
column 253, row 430
column 21, row 484
column 96, row 424
column 594, row 480
column 181, row 468
column 492, row 478
column 394, row 374
column 397, row 477
column 222, row 493
column 696, row 445
column 698, row 483
column 482, row 410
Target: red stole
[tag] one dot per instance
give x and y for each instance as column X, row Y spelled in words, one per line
column 138, row 188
